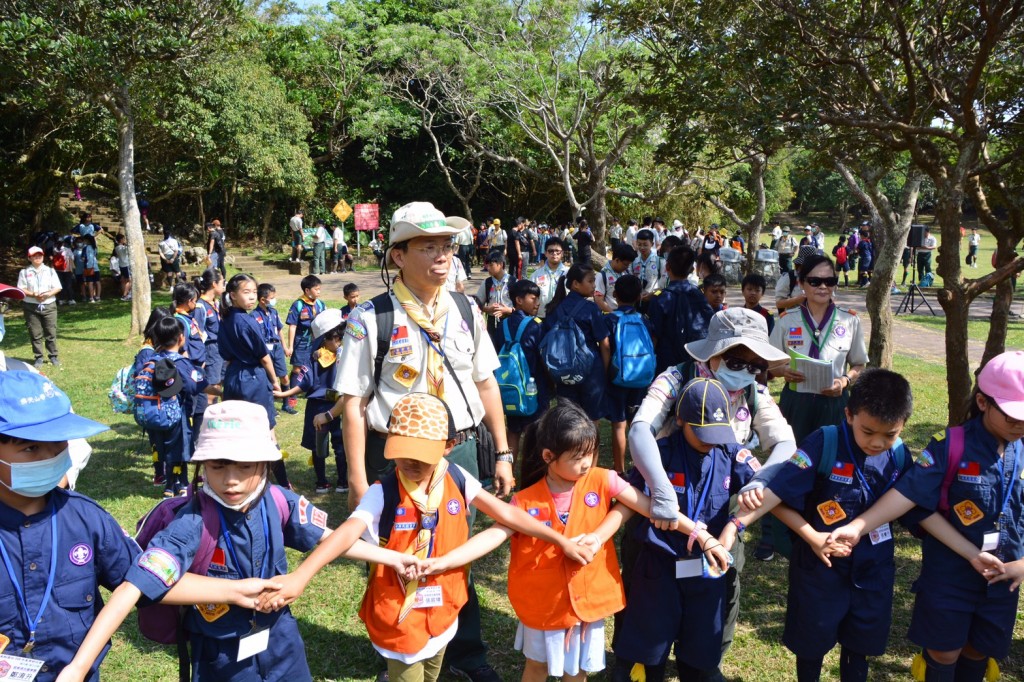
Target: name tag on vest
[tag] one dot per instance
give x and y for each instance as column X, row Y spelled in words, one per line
column 427, row 597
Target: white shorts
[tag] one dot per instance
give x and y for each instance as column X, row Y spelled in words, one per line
column 566, row 652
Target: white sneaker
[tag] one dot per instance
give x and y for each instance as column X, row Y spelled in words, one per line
column 72, row 302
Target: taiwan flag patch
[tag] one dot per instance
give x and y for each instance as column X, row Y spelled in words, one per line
column 796, row 331
column 541, row 514
column 969, row 472
column 678, row 482
column 842, row 472
column 219, row 561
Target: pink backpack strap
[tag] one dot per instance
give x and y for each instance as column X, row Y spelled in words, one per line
column 208, row 535
column 281, row 502
column 955, row 453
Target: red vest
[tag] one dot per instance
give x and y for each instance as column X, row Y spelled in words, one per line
column 384, row 593
column 549, row 591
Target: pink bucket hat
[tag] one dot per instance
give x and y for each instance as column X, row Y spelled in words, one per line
column 1002, row 379
column 235, row 430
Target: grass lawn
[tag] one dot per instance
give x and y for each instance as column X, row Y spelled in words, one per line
column 93, row 348
column 976, row 329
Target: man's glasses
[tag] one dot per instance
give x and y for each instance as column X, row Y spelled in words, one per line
column 554, row 252
column 736, row 364
column 816, row 282
column 433, row 251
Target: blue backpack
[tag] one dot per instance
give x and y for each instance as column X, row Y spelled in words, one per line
column 122, row 391
column 152, row 412
column 565, row 351
column 633, row 359
column 513, row 373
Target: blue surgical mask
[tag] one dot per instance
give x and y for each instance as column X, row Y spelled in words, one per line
column 35, row 479
column 734, row 380
column 272, row 302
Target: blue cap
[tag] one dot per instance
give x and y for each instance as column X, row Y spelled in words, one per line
column 33, row 408
column 704, row 405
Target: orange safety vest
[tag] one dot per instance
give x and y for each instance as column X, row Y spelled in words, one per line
column 549, row 591
column 384, row 593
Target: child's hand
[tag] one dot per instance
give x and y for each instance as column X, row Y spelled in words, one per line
column 591, row 541
column 987, row 565
column 825, row 546
column 433, row 566
column 848, row 534
column 728, row 536
column 578, row 553
column 246, row 593
column 751, row 500
column 1013, row 571
column 408, row 565
column 291, row 589
column 72, row 673
column 717, row 554
column 277, row 393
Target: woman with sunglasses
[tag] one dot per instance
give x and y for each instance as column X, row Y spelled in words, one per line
column 736, row 352
column 821, row 330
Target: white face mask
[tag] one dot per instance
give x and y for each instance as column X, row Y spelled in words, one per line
column 208, row 489
column 733, row 380
column 272, row 302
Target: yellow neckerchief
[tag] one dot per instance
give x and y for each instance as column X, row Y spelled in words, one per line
column 326, row 358
column 427, row 504
column 414, row 309
column 308, row 302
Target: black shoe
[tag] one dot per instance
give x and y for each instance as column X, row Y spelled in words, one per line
column 383, row 676
column 289, row 409
column 764, row 552
column 484, row 673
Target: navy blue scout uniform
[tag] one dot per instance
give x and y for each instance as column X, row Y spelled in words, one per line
column 588, row 394
column 301, row 315
column 850, row 603
column 195, row 346
column 620, row 401
column 317, row 382
column 954, row 604
column 87, row 549
column 530, row 343
column 211, row 325
column 253, row 546
column 660, row 608
column 269, row 321
column 175, row 445
column 243, row 348
column 679, row 314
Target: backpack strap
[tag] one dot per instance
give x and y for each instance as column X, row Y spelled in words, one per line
column 384, row 311
column 389, row 484
column 829, row 452
column 751, row 397
column 281, row 502
column 899, row 451
column 208, row 535
column 522, row 328
column 955, row 453
column 465, row 309
column 504, row 330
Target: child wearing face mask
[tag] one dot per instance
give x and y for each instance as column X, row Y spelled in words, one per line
column 57, row 547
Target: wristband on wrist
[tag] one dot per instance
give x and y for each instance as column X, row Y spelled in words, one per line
column 694, row 534
column 740, row 527
column 504, row 455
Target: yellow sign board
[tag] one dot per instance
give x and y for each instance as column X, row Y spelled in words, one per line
column 342, row 210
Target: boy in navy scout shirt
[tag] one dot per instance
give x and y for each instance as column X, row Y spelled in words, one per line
column 317, row 382
column 300, row 321
column 676, row 594
column 622, row 402
column 229, row 642
column 57, row 547
column 679, row 313
column 525, row 295
column 269, row 321
column 846, row 598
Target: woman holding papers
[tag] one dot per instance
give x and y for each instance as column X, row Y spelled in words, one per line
column 826, row 347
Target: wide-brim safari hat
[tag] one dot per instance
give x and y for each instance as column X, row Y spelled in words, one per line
column 735, row 327
column 421, row 219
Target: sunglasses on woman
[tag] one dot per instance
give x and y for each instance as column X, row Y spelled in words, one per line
column 736, row 365
column 816, row 282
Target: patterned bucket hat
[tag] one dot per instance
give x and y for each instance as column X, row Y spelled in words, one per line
column 420, row 426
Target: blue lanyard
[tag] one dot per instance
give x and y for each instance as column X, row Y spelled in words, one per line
column 444, row 335
column 268, row 555
column 693, row 511
column 1002, row 477
column 860, row 474
column 33, row 622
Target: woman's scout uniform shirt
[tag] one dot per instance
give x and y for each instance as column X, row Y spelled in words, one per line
column 668, row 598
column 986, row 505
column 211, row 327
column 404, row 369
column 301, row 315
column 549, row 591
column 242, row 347
column 195, row 338
column 546, row 280
column 863, row 582
column 445, row 594
column 253, row 546
column 90, row 550
column 589, row 394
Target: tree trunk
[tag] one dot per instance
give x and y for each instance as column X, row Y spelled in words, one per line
column 268, row 218
column 202, row 208
column 121, row 107
column 844, row 218
column 995, row 343
column 955, row 302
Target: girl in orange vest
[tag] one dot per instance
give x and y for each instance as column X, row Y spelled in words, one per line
column 562, row 605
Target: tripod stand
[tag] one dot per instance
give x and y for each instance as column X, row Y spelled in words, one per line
column 910, row 304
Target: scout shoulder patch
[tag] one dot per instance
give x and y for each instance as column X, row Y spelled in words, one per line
column 800, row 459
column 355, row 329
column 924, row 459
column 744, row 456
column 831, row 512
column 968, row 512
column 161, row 564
